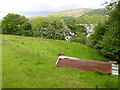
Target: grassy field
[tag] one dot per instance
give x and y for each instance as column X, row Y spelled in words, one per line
column 29, row 62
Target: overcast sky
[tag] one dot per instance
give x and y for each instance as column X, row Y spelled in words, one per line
column 40, row 7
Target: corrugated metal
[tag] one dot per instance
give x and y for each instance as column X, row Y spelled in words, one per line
column 83, row 64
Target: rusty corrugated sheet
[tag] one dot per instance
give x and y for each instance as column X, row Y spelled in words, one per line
column 83, row 64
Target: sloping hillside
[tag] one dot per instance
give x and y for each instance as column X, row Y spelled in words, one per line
column 71, row 13
column 102, row 12
column 29, row 62
column 80, row 12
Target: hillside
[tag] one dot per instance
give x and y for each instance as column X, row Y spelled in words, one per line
column 102, row 12
column 29, row 62
column 71, row 13
column 80, row 12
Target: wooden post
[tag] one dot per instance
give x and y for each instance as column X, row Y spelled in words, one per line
column 115, row 68
column 61, row 54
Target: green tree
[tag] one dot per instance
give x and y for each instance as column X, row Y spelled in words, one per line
column 95, row 19
column 26, row 29
column 37, row 23
column 80, row 33
column 111, row 39
column 95, row 39
column 12, row 24
column 106, row 37
column 111, row 5
column 49, row 27
column 77, row 27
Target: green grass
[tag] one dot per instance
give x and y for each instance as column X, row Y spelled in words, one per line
column 29, row 62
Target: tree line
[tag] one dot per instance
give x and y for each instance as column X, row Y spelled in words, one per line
column 106, row 36
column 52, row 27
column 45, row 27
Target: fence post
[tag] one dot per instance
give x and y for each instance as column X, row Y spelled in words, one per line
column 115, row 68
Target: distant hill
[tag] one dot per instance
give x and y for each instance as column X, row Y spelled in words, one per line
column 71, row 13
column 80, row 12
column 102, row 11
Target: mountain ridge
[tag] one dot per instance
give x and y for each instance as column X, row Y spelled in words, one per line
column 69, row 13
column 79, row 12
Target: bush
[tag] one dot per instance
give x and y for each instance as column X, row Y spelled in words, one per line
column 51, row 27
column 106, row 37
column 97, row 36
column 12, row 24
